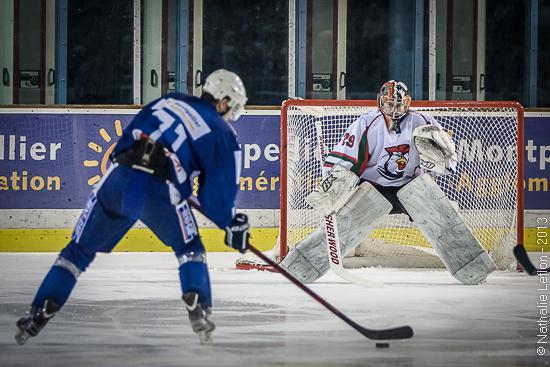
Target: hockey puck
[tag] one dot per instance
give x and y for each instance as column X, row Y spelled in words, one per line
column 382, row 345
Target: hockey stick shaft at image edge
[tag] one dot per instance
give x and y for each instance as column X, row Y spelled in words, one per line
column 523, row 259
column 402, row 332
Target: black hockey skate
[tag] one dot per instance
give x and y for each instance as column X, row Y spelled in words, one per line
column 199, row 317
column 35, row 320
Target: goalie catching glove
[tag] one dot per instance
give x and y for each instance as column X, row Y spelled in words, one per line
column 333, row 191
column 435, row 148
column 237, row 233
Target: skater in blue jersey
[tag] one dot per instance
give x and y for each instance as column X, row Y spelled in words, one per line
column 150, row 179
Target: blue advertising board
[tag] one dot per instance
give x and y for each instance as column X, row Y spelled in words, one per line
column 52, row 160
column 537, row 162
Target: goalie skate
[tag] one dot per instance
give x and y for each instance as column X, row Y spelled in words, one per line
column 35, row 320
column 199, row 318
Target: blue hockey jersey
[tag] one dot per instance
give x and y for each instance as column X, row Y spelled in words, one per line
column 202, row 141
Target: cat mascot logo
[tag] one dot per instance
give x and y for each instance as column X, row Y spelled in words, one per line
column 395, row 163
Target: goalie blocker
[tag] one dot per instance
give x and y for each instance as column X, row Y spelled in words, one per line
column 433, row 214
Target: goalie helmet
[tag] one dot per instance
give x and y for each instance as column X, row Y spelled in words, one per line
column 394, row 99
column 226, row 84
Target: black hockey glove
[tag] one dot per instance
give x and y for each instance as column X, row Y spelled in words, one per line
column 237, row 235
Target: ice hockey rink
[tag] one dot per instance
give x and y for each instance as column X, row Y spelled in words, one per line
column 125, row 311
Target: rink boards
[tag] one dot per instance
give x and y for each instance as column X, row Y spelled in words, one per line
column 51, row 158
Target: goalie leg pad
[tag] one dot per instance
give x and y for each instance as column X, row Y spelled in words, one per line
column 442, row 225
column 473, row 272
column 308, row 260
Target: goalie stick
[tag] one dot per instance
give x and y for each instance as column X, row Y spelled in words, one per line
column 335, row 258
column 330, row 224
column 401, row 332
column 523, row 259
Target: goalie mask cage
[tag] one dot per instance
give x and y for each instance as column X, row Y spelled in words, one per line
column 489, row 144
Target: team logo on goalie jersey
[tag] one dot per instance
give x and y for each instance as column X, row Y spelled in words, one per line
column 392, row 164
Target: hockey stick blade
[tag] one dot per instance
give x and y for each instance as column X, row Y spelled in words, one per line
column 523, row 259
column 402, row 332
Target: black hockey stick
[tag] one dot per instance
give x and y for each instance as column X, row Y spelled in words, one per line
column 523, row 259
column 402, row 332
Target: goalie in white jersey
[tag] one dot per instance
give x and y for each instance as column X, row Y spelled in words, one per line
column 378, row 146
column 385, row 150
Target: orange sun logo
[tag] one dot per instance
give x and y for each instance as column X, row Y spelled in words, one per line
column 100, row 149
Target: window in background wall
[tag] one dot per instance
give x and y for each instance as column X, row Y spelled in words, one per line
column 253, row 44
column 158, row 48
column 321, row 81
column 100, row 52
column 426, row 53
column 505, row 45
column 29, row 46
column 460, row 50
column 380, row 44
column 543, row 78
column 27, row 52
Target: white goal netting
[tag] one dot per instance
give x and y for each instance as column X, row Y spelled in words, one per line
column 484, row 188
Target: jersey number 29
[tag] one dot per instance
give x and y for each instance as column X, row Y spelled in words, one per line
column 348, row 140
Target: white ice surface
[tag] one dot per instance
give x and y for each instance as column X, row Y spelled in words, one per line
column 126, row 311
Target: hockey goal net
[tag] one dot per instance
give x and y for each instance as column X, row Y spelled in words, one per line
column 488, row 138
